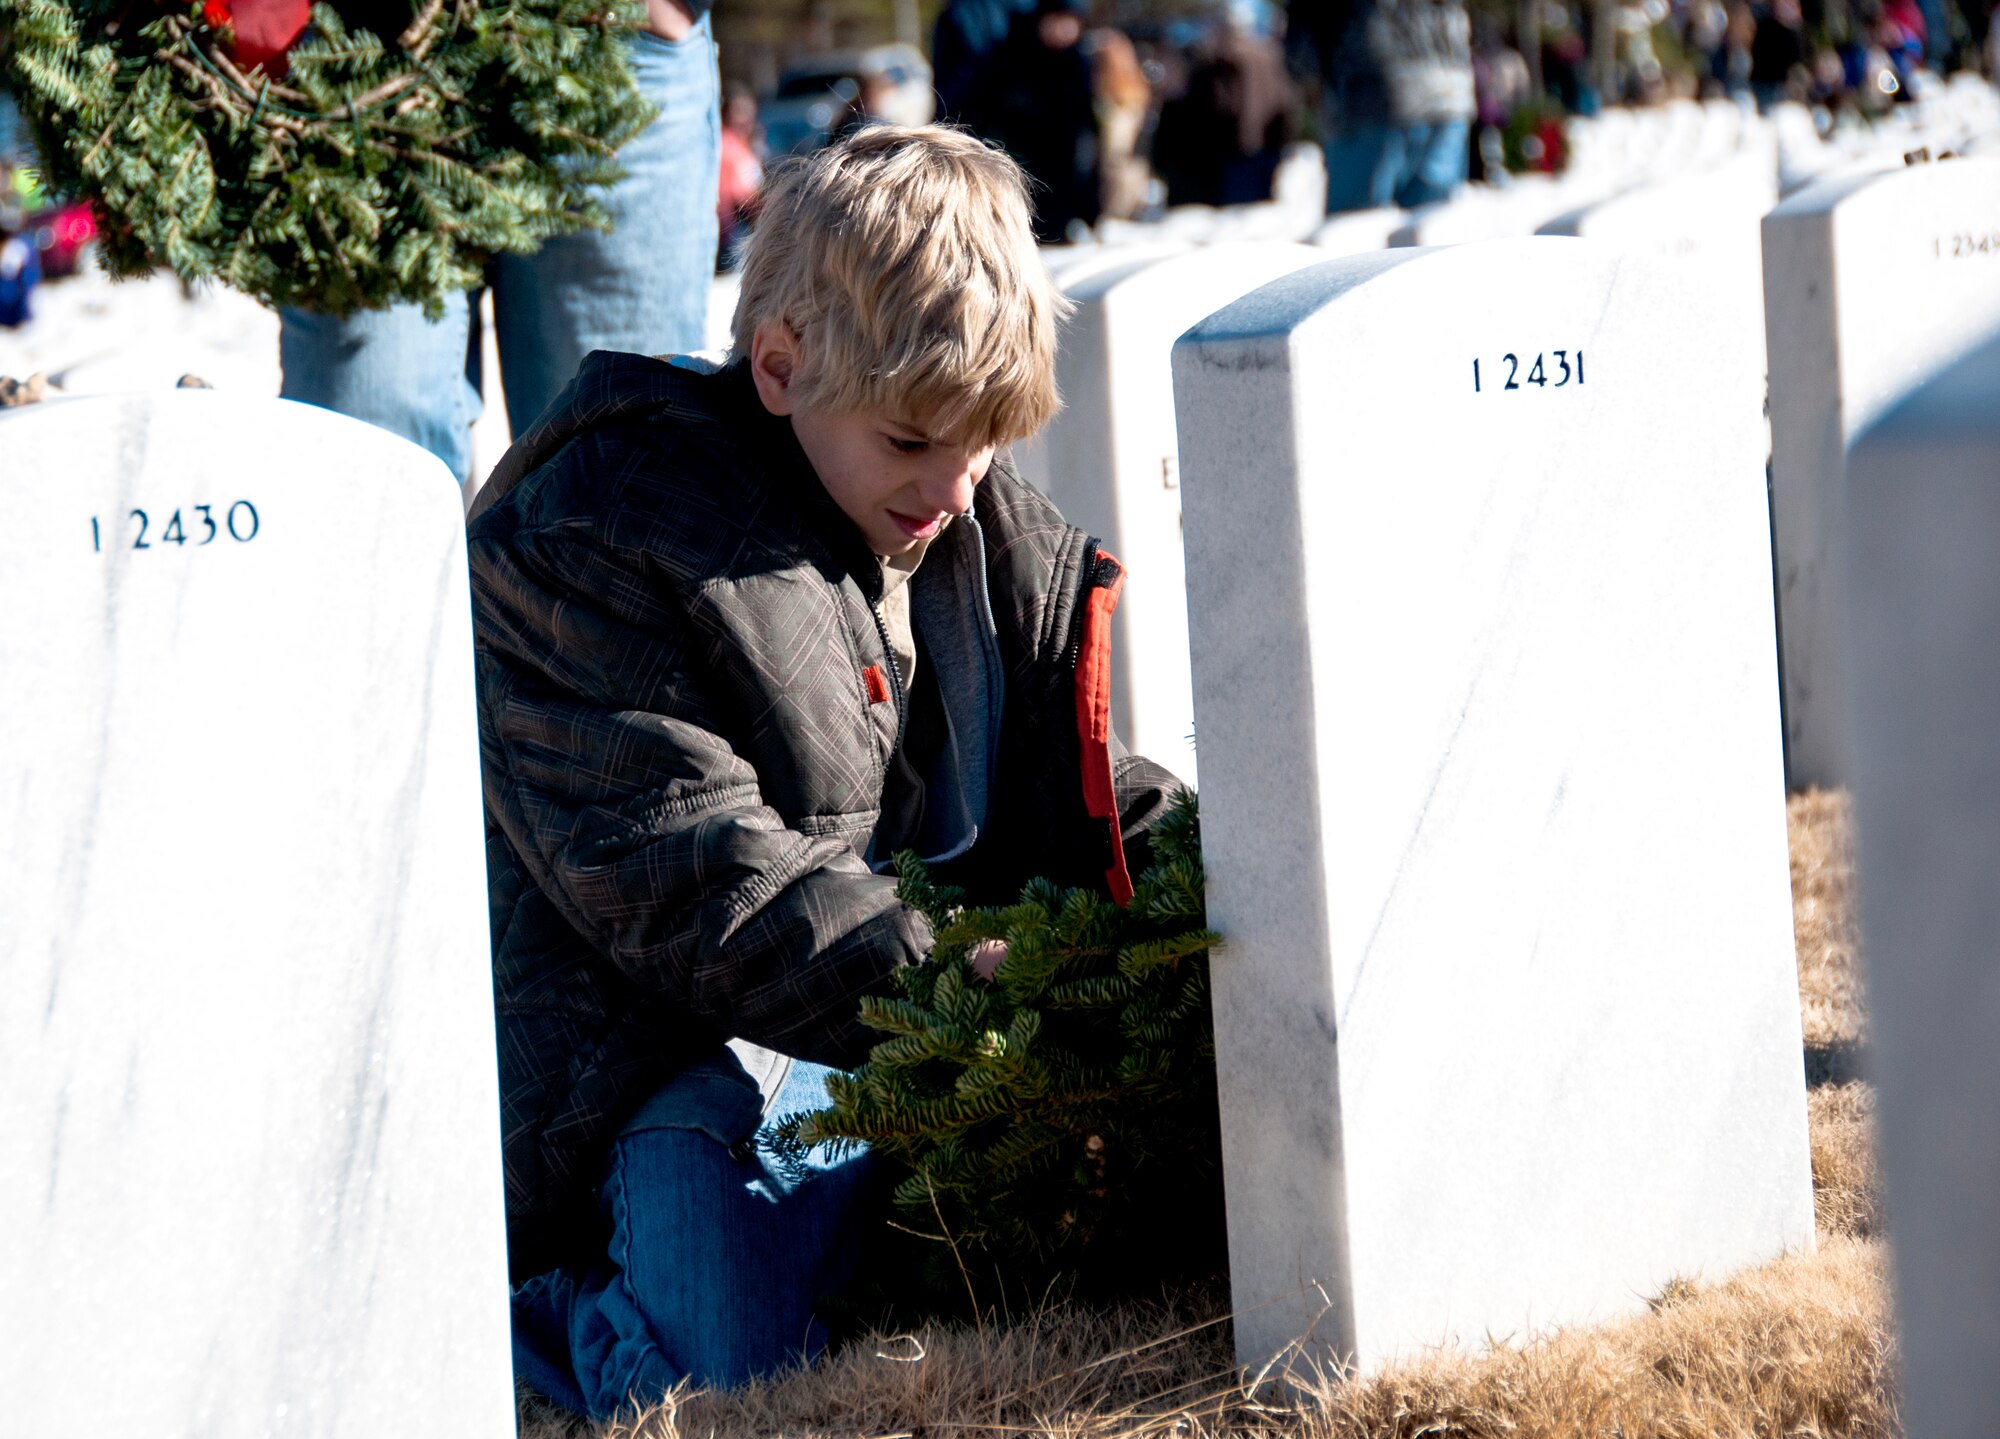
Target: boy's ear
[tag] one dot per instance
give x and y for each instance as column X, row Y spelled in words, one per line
column 774, row 358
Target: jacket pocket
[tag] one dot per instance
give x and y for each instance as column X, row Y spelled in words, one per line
column 1089, row 660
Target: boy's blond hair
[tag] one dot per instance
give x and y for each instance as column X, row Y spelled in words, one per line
column 904, row 261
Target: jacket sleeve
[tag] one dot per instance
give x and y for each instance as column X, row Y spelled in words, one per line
column 1144, row 790
column 608, row 770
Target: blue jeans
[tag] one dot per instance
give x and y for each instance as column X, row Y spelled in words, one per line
column 715, row 1264
column 1407, row 165
column 643, row 287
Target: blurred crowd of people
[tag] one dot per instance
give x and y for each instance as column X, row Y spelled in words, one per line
column 1408, row 98
column 1833, row 53
column 1110, row 121
column 1169, row 106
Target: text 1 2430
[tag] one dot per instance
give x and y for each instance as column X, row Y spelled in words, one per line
column 239, row 522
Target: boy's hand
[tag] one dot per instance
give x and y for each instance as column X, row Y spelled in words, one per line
column 668, row 19
column 986, row 957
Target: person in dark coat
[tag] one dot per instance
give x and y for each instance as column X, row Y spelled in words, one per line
column 1219, row 143
column 742, row 634
column 1039, row 104
column 964, row 49
column 1777, row 48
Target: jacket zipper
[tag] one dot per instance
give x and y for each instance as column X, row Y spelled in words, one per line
column 895, row 675
column 1093, row 577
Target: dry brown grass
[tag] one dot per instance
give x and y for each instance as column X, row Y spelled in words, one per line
column 1845, row 1193
column 1801, row 1347
column 1830, row 999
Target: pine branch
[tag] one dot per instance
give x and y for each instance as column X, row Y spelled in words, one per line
column 1052, row 1116
column 379, row 169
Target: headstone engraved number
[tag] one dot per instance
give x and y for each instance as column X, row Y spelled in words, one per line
column 241, row 519
column 1568, row 367
column 1962, row 244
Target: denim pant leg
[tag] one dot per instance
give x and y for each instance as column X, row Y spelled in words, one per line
column 1435, row 162
column 1364, row 166
column 644, row 286
column 714, row 1269
column 392, row 368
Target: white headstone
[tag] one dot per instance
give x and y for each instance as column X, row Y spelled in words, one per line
column 1722, row 129
column 1074, row 269
column 1356, row 232
column 1706, row 220
column 1871, row 283
column 1490, row 212
column 1506, row 1020
column 1681, row 141
column 1923, row 606
column 249, row 1122
column 1602, row 143
column 1111, row 462
column 1705, row 212
column 723, row 291
column 1190, row 224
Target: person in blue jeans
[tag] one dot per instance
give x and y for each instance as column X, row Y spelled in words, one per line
column 642, row 287
column 716, row 1261
column 1397, row 97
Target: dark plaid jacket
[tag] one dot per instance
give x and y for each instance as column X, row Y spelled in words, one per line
column 674, row 624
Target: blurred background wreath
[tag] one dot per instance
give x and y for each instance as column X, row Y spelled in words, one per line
column 329, row 157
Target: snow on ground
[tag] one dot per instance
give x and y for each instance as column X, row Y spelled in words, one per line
column 92, row 335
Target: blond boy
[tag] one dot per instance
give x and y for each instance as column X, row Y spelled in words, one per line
column 745, row 633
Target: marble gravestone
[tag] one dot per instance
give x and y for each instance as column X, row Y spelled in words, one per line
column 1706, row 219
column 1506, row 1020
column 1111, row 463
column 1489, row 212
column 1072, row 269
column 1922, row 608
column 1871, row 283
column 249, row 1122
column 1356, row 232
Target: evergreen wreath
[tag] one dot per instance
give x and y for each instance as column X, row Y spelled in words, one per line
column 352, row 156
column 1059, row 1120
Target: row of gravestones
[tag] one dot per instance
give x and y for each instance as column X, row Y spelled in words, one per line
column 1478, row 561
column 1852, row 287
column 1507, row 1027
column 1688, row 182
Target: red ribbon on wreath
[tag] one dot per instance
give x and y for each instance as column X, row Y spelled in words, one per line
column 260, row 31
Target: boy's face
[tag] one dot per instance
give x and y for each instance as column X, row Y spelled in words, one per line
column 895, row 482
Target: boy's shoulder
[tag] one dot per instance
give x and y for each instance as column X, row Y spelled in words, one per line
column 1026, row 535
column 674, row 462
column 680, row 470
column 1035, row 558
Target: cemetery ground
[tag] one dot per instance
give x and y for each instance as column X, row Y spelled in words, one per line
column 1802, row 1346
